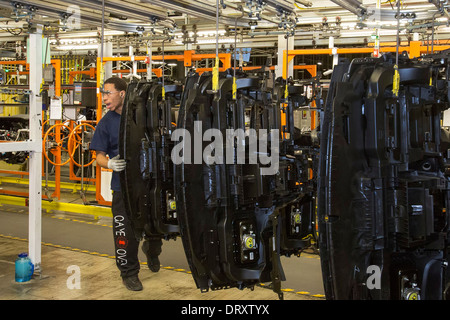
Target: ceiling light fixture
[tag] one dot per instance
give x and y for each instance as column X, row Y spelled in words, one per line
column 77, row 47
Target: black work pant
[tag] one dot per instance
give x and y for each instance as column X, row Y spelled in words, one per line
column 125, row 242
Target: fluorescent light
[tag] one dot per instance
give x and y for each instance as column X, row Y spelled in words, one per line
column 211, row 41
column 64, row 35
column 204, row 33
column 210, row 33
column 369, row 33
column 74, row 42
column 354, row 34
column 348, row 25
column 388, row 23
column 77, row 47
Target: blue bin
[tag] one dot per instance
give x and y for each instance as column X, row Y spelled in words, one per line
column 24, row 268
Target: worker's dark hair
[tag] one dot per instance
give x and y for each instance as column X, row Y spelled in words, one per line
column 118, row 83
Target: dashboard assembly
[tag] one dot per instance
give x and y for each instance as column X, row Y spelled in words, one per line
column 147, row 182
column 383, row 180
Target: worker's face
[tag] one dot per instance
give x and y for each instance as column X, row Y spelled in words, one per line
column 112, row 98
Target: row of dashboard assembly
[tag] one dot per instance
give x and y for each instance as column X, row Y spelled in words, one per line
column 224, row 170
column 219, row 162
column 239, row 213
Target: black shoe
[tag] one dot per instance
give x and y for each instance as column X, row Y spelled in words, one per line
column 154, row 264
column 133, row 283
column 152, row 261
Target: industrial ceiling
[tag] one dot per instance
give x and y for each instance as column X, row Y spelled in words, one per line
column 80, row 25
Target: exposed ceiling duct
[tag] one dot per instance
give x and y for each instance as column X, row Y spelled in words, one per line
column 442, row 6
column 195, row 10
column 55, row 10
column 91, row 12
column 354, row 6
column 304, row 3
column 287, row 6
column 192, row 22
column 119, row 8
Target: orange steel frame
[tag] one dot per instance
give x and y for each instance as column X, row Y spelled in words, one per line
column 72, row 165
column 92, row 72
column 312, row 69
column 415, row 49
column 57, row 193
column 188, row 57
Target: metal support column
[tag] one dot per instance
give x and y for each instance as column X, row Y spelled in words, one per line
column 35, row 160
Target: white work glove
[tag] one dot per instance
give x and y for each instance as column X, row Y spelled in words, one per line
column 116, row 164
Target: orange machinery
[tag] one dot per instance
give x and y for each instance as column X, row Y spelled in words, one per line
column 55, row 133
column 57, row 65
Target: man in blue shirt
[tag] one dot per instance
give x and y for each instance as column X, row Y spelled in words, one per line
column 106, row 144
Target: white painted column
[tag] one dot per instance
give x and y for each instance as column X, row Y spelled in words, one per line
column 107, row 52
column 334, row 51
column 284, row 44
column 35, row 160
column 150, row 60
column 133, row 61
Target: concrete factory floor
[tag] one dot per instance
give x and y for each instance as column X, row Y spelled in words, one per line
column 85, row 242
column 99, row 280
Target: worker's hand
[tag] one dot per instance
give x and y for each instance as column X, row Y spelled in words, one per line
column 116, row 164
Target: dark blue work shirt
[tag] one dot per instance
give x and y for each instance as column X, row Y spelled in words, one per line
column 106, row 139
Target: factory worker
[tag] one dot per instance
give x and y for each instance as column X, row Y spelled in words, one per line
column 106, row 144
